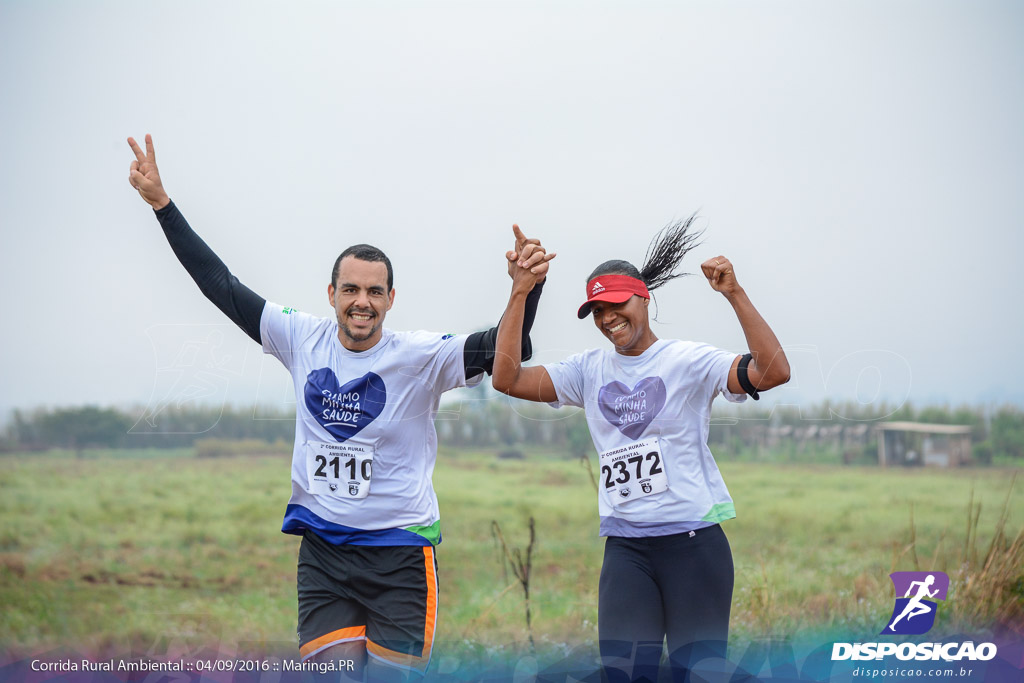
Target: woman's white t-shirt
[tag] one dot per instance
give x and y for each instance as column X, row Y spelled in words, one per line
column 649, row 416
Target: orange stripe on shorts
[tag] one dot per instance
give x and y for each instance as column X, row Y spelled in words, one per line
column 341, row 635
column 431, row 621
column 412, row 661
column 398, row 658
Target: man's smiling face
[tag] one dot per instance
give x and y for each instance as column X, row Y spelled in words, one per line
column 361, row 299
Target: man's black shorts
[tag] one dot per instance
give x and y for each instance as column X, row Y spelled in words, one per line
column 385, row 595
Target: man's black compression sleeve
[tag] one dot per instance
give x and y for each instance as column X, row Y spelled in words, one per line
column 479, row 351
column 237, row 301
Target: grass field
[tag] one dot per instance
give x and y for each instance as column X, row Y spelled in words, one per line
column 111, row 553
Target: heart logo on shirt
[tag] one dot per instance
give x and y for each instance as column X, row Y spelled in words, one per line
column 632, row 410
column 344, row 410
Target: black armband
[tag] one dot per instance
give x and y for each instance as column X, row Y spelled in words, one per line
column 741, row 375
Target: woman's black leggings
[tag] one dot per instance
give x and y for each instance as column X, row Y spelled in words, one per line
column 677, row 587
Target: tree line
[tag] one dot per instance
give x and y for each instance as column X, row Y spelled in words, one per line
column 494, row 421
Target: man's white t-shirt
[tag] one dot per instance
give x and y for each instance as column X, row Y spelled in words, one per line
column 365, row 443
column 649, row 416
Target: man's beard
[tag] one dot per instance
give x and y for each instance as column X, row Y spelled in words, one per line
column 359, row 337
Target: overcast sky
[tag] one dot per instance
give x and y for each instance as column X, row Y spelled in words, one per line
column 862, row 164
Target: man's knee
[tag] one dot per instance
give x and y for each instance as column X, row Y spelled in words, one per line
column 349, row 660
column 378, row 671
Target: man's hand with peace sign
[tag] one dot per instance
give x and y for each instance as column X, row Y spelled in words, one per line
column 144, row 176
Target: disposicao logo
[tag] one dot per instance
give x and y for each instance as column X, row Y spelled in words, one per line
column 914, row 613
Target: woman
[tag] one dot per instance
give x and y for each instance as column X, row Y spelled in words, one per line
column 667, row 569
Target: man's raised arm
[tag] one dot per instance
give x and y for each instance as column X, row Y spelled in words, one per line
column 243, row 306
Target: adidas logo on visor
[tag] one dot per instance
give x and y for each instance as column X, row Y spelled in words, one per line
column 598, row 287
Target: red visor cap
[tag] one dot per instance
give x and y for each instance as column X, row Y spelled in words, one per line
column 612, row 288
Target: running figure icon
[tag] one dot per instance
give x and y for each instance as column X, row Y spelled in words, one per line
column 916, row 607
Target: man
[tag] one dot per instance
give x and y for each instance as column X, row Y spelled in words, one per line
column 365, row 444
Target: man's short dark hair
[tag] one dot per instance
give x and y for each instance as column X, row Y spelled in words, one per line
column 365, row 252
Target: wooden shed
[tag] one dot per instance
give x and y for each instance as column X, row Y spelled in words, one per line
column 916, row 444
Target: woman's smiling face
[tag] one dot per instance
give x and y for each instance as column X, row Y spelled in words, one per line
column 626, row 325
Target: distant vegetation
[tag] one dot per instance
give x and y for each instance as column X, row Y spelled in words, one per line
column 822, row 433
column 115, row 554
